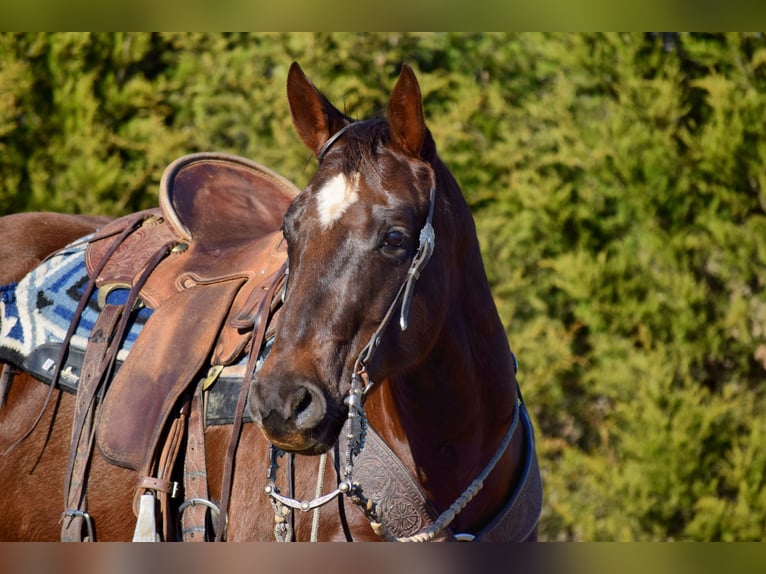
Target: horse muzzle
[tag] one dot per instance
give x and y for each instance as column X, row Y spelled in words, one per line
column 295, row 415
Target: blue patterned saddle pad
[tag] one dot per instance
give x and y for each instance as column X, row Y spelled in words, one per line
column 36, row 312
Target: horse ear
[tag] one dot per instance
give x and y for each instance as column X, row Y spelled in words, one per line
column 405, row 114
column 314, row 117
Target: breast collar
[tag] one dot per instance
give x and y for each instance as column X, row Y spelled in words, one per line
column 401, row 511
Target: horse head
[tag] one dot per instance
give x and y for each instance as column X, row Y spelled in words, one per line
column 352, row 236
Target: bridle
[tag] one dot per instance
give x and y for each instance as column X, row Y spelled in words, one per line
column 361, row 385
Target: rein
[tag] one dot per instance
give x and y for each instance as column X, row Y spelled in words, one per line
column 357, row 419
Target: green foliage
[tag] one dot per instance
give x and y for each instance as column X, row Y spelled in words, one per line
column 631, row 236
column 618, row 185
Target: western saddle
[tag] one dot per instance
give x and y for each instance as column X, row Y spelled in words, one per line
column 209, row 262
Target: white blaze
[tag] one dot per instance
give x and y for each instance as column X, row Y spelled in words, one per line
column 335, row 198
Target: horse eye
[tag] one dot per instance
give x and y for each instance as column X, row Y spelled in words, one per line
column 396, row 239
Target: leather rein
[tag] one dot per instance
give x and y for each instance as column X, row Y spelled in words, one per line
column 356, row 427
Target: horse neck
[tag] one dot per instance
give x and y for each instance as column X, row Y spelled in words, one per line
column 446, row 417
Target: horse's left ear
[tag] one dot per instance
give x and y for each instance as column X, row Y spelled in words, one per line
column 405, row 116
column 314, row 117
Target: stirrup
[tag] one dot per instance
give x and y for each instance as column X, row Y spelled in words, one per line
column 86, row 518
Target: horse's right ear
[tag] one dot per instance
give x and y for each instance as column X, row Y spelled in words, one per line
column 314, row 117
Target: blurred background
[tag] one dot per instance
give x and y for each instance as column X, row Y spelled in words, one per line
column 618, row 182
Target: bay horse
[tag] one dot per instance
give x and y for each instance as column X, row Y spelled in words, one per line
column 389, row 360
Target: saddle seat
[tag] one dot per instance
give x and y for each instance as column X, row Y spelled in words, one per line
column 219, row 222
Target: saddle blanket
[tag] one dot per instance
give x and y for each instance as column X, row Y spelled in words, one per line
column 36, row 312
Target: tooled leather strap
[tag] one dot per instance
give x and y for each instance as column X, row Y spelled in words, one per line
column 75, row 503
column 405, row 509
column 195, row 475
column 396, row 495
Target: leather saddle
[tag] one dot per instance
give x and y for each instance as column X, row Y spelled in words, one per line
column 204, row 261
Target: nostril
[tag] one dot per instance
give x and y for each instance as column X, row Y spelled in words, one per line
column 309, row 407
column 303, row 399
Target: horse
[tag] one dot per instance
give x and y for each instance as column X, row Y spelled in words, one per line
column 389, row 376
